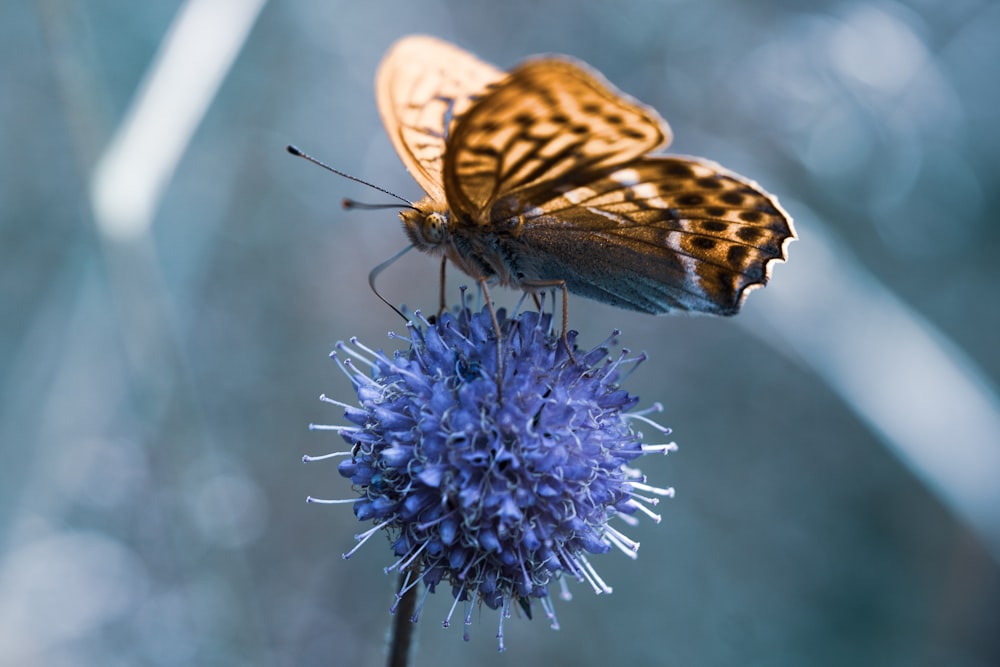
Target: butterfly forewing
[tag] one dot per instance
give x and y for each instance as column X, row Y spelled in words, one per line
column 551, row 119
column 423, row 84
column 660, row 234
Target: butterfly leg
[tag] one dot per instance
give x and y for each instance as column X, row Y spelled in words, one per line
column 443, row 306
column 561, row 284
column 496, row 330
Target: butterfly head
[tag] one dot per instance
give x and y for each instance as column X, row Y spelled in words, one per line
column 427, row 229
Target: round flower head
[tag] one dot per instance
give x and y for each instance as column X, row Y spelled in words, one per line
column 496, row 481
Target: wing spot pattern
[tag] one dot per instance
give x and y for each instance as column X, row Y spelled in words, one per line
column 643, row 190
column 690, row 200
column 578, row 195
column 627, row 177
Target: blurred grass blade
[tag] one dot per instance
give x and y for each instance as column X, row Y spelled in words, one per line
column 193, row 60
column 913, row 387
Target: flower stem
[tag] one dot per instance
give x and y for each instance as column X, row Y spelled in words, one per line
column 402, row 627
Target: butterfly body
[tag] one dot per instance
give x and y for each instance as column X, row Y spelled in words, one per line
column 544, row 175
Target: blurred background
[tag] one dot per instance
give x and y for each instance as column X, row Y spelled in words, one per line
column 171, row 282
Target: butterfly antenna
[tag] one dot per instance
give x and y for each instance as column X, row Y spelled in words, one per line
column 353, row 204
column 373, row 274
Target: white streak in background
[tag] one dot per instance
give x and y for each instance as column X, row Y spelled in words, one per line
column 925, row 399
column 191, row 63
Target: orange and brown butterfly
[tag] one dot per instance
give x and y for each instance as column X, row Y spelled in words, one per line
column 543, row 176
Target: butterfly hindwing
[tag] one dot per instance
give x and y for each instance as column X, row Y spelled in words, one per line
column 659, row 234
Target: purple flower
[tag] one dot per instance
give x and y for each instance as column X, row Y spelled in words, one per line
column 495, row 481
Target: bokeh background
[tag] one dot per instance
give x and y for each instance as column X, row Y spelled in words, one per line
column 171, row 283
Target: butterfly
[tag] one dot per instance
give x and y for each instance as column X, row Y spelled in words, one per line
column 543, row 176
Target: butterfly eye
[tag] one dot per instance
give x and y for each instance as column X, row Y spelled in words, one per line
column 433, row 228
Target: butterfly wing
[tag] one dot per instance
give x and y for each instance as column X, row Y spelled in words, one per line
column 550, row 120
column 422, row 85
column 661, row 234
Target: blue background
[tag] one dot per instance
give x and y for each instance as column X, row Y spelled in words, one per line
column 155, row 392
